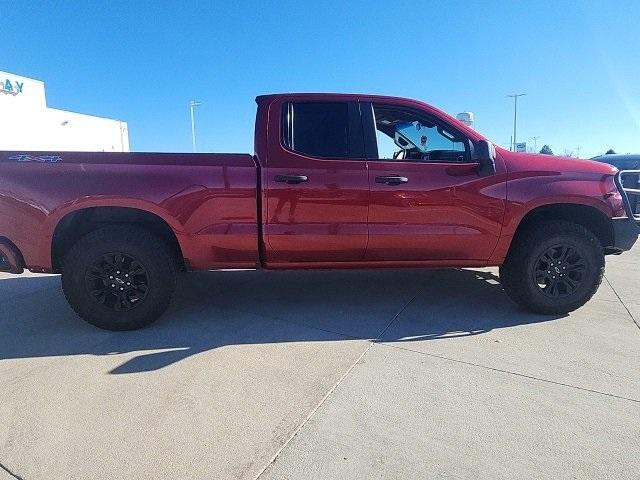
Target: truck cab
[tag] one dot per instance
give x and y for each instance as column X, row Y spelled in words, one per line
column 364, row 181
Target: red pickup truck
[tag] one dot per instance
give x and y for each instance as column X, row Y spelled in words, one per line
column 336, row 181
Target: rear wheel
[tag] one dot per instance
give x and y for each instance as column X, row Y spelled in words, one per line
column 553, row 267
column 120, row 277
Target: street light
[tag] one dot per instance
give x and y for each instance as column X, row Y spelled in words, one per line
column 535, row 143
column 515, row 116
column 192, row 105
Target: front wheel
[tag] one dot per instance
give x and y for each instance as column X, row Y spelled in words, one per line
column 553, row 267
column 120, row 277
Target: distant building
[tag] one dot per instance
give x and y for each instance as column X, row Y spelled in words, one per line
column 468, row 118
column 26, row 123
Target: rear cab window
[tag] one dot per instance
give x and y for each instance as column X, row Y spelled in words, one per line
column 329, row 130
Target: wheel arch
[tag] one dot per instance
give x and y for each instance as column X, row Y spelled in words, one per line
column 76, row 224
column 590, row 217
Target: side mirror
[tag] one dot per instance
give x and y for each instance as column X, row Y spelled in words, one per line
column 486, row 158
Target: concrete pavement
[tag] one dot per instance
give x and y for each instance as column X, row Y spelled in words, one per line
column 355, row 374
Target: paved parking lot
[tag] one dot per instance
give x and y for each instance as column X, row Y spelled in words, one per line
column 316, row 375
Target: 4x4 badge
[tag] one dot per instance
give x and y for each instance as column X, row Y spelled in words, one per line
column 23, row 157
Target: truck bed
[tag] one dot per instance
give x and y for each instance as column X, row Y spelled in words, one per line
column 208, row 200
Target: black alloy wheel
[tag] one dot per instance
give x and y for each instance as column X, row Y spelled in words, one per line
column 118, row 281
column 559, row 271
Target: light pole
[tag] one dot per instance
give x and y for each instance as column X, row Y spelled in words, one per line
column 578, row 154
column 515, row 116
column 535, row 143
column 192, row 105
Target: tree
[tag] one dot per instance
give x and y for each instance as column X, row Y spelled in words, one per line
column 546, row 150
column 611, row 151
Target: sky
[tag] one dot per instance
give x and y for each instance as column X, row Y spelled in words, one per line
column 141, row 62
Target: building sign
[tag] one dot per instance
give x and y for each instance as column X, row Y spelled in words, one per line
column 521, row 147
column 11, row 88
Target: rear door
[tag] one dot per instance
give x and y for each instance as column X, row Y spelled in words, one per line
column 428, row 202
column 317, row 190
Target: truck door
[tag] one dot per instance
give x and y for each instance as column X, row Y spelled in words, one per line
column 317, row 192
column 428, row 202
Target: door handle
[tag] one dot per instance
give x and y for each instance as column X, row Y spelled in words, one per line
column 291, row 179
column 392, row 179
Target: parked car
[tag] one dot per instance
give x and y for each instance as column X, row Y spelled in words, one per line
column 626, row 162
column 336, row 181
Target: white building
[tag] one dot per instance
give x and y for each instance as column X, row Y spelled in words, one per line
column 468, row 118
column 26, row 123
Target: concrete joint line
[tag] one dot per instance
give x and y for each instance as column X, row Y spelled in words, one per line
column 391, row 322
column 623, row 304
column 10, row 472
column 331, row 390
column 312, row 413
column 523, row 375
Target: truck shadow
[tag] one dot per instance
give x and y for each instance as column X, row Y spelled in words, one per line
column 219, row 309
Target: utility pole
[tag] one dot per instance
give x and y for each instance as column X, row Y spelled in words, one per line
column 515, row 116
column 578, row 154
column 192, row 105
column 535, row 143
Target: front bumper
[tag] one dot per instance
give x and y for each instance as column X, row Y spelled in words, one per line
column 625, row 233
column 626, row 229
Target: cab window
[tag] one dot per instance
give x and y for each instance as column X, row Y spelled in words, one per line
column 405, row 135
column 317, row 129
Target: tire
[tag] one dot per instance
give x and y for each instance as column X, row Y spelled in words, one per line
column 130, row 299
column 535, row 276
